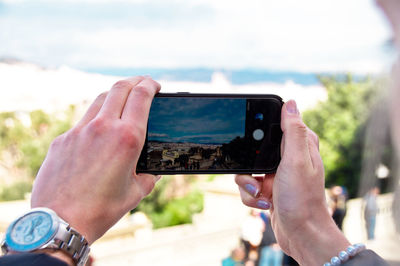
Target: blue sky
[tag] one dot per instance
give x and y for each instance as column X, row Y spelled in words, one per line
column 309, row 35
column 197, row 120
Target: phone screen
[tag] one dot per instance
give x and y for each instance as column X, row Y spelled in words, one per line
column 218, row 134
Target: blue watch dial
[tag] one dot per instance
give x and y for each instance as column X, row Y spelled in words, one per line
column 30, row 231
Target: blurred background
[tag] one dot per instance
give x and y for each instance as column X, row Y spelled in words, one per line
column 332, row 57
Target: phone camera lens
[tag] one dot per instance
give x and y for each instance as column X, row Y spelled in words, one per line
column 258, row 134
column 259, row 116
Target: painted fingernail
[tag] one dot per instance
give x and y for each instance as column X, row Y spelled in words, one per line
column 251, row 189
column 263, row 204
column 291, row 107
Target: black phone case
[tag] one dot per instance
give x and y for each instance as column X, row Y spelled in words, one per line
column 275, row 98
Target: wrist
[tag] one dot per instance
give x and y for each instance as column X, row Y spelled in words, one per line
column 318, row 241
column 75, row 220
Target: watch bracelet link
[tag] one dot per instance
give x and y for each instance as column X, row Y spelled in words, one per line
column 75, row 245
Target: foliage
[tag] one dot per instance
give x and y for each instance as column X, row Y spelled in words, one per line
column 340, row 124
column 166, row 210
column 25, row 137
column 15, row 191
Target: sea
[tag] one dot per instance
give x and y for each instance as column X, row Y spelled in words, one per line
column 235, row 77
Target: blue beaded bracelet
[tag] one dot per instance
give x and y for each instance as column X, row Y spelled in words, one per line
column 344, row 256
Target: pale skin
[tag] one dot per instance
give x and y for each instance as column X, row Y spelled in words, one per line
column 296, row 196
column 89, row 179
column 300, row 219
column 89, row 175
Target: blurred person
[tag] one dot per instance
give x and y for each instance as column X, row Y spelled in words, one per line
column 236, row 258
column 270, row 252
column 338, row 205
column 370, row 206
column 252, row 233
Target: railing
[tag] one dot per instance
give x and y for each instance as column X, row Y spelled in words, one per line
column 354, row 223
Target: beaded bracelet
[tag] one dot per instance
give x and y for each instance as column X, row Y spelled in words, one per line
column 344, row 256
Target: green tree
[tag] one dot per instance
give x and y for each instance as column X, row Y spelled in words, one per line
column 165, row 209
column 24, row 141
column 340, row 124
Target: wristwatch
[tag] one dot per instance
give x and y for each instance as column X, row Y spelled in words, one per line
column 41, row 228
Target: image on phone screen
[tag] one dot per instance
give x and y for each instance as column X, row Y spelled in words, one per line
column 212, row 135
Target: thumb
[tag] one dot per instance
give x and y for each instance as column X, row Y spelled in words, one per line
column 295, row 135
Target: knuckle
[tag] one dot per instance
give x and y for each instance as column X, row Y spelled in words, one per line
column 143, row 91
column 122, row 84
column 57, row 141
column 246, row 198
column 300, row 126
column 102, row 95
column 294, row 163
column 98, row 126
column 135, row 79
column 153, row 82
column 299, row 163
column 246, row 202
column 74, row 132
column 130, row 137
column 70, row 135
column 242, row 179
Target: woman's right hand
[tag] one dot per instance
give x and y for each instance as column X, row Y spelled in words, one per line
column 296, row 195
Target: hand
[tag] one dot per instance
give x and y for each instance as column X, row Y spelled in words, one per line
column 89, row 175
column 296, row 195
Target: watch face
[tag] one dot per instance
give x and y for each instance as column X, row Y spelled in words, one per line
column 30, row 231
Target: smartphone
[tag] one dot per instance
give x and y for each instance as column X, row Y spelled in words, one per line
column 212, row 134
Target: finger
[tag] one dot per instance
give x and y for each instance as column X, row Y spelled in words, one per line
column 295, row 135
column 117, row 96
column 248, row 200
column 248, row 184
column 146, row 182
column 267, row 185
column 139, row 101
column 93, row 110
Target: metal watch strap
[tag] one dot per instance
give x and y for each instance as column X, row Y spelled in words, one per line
column 65, row 238
column 75, row 245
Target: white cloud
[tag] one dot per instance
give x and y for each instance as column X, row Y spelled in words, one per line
column 308, row 35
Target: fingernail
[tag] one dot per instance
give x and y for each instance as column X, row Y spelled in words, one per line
column 291, row 107
column 251, row 189
column 263, row 204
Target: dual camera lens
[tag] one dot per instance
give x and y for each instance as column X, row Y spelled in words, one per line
column 258, row 134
